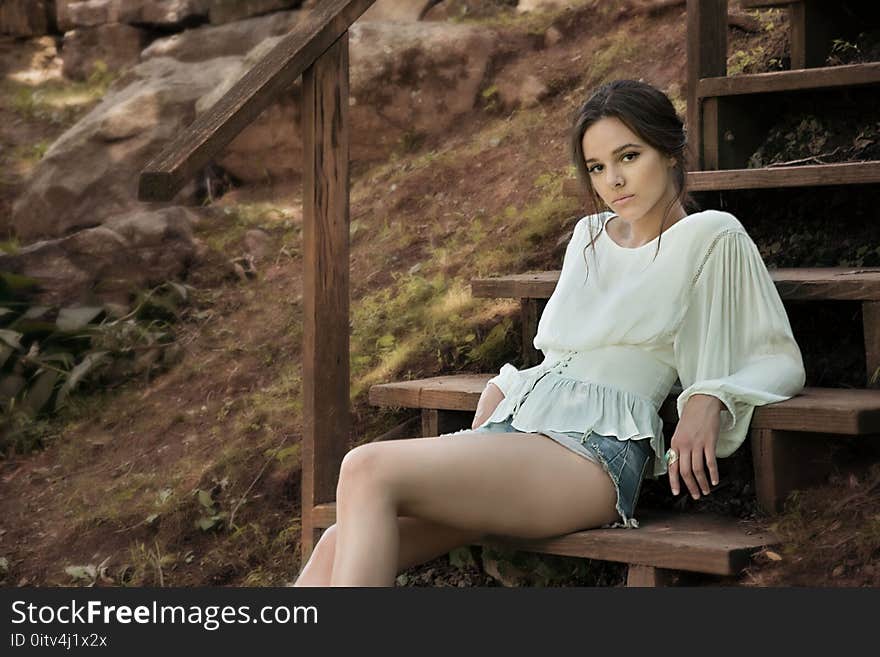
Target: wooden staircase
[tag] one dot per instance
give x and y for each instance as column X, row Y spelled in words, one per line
column 789, row 439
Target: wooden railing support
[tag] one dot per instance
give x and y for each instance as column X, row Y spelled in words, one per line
column 707, row 57
column 326, row 372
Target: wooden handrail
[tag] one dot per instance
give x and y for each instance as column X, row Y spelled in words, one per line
column 194, row 148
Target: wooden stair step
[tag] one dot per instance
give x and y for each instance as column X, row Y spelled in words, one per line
column 760, row 4
column 703, row 543
column 815, row 410
column 825, row 77
column 793, row 284
column 810, row 175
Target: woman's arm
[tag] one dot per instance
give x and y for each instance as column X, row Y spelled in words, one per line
column 489, row 400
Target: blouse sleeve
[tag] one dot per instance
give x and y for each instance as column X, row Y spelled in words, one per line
column 735, row 341
column 505, row 378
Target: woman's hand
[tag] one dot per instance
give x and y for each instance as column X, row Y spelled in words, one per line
column 694, row 439
column 489, row 401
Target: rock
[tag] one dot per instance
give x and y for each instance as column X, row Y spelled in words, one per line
column 136, row 250
column 257, row 243
column 62, row 15
column 515, row 91
column 154, row 13
column 228, row 11
column 117, row 45
column 26, row 18
column 541, row 5
column 234, row 39
column 90, row 174
column 406, row 78
column 398, row 11
column 552, row 36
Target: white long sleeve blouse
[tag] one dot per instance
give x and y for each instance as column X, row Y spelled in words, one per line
column 614, row 340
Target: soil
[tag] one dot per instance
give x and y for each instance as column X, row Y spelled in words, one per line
column 217, row 434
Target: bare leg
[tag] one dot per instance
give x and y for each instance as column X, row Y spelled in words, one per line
column 509, row 484
column 420, row 541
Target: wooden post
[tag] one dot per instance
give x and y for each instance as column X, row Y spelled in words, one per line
column 785, row 461
column 530, row 313
column 435, row 422
column 326, row 386
column 648, row 576
column 871, row 328
column 707, row 57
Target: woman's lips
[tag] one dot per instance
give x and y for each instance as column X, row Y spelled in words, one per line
column 623, row 200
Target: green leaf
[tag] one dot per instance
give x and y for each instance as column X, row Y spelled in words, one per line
column 205, row 499
column 5, row 352
column 206, row 523
column 16, row 284
column 61, row 357
column 87, row 573
column 35, row 312
column 163, row 495
column 77, row 373
column 12, row 338
column 75, row 318
column 40, row 391
column 4, row 565
column 386, row 341
column 150, row 519
column 288, row 453
column 180, row 289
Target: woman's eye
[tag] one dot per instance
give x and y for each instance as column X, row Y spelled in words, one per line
column 593, row 168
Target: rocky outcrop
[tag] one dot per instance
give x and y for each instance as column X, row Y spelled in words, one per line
column 153, row 13
column 108, row 263
column 228, row 11
column 90, row 174
column 27, row 18
column 116, row 45
column 232, row 40
column 398, row 11
column 407, row 79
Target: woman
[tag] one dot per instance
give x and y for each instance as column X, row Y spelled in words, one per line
column 565, row 445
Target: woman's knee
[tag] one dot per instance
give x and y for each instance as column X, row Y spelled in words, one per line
column 361, row 467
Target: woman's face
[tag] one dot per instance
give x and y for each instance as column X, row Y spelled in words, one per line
column 620, row 163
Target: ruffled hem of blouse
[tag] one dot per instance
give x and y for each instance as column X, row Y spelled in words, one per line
column 553, row 402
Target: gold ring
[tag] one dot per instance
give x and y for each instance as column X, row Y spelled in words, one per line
column 671, row 456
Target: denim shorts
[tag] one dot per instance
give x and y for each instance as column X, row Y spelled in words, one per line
column 625, row 461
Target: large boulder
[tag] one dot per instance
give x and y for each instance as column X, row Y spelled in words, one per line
column 117, row 45
column 402, row 11
column 109, row 263
column 156, row 13
column 27, row 18
column 524, row 6
column 407, row 80
column 228, row 11
column 234, row 39
column 90, row 174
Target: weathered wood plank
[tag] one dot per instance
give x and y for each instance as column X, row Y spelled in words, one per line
column 702, row 543
column 326, row 418
column 810, row 175
column 793, row 284
column 827, row 77
column 815, row 410
column 196, row 146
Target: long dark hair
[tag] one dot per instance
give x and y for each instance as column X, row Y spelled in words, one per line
column 649, row 113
